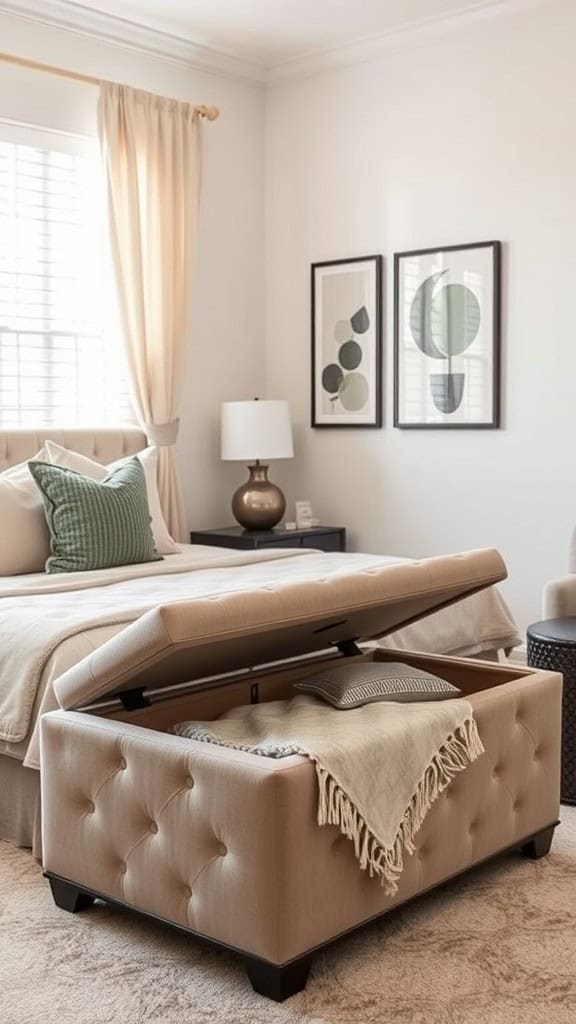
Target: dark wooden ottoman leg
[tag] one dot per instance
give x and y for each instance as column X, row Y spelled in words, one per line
column 68, row 896
column 278, row 983
column 540, row 844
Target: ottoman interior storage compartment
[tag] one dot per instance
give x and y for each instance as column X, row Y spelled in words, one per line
column 225, row 844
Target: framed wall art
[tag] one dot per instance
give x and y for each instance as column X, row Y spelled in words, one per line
column 447, row 337
column 347, row 343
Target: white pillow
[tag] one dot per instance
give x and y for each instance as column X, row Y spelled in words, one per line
column 24, row 535
column 59, row 456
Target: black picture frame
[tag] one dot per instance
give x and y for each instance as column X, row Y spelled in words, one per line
column 495, row 319
column 346, row 419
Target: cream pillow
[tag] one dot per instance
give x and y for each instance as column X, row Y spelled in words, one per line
column 60, row 456
column 24, row 535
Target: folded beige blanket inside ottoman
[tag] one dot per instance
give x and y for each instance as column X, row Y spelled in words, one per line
column 380, row 767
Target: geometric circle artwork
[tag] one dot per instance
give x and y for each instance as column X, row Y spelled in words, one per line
column 360, row 321
column 350, row 355
column 332, row 377
column 340, row 379
column 455, row 318
column 354, row 392
column 447, row 337
column 346, row 338
column 341, row 331
column 444, row 322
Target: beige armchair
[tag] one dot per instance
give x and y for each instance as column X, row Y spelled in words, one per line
column 559, row 598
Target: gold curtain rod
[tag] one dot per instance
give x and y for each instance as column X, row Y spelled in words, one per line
column 210, row 113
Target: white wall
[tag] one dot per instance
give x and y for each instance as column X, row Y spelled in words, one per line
column 471, row 137
column 227, row 330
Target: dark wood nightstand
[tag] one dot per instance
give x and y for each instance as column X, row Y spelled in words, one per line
column 326, row 538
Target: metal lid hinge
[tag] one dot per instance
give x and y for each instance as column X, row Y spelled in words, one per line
column 349, row 648
column 134, row 699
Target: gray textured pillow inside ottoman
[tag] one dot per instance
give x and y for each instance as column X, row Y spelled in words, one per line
column 355, row 684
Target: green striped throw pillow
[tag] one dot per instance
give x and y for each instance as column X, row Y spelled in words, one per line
column 95, row 524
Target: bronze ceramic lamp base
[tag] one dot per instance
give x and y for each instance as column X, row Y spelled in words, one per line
column 258, row 504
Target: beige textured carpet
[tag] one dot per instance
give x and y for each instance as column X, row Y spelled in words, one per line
column 496, row 947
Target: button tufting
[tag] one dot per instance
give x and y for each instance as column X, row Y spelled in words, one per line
column 153, row 827
column 189, row 782
column 187, row 892
column 123, row 869
column 122, row 763
column 90, row 807
column 222, row 849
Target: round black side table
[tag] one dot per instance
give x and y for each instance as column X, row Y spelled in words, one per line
column 552, row 645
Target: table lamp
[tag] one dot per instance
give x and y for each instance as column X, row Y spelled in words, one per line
column 251, row 432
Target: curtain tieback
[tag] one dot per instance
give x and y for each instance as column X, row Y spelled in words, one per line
column 162, row 434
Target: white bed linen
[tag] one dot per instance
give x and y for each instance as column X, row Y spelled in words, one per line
column 48, row 623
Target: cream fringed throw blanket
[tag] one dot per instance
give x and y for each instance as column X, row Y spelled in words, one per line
column 379, row 767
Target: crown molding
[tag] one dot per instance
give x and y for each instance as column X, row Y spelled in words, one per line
column 407, row 36
column 129, row 35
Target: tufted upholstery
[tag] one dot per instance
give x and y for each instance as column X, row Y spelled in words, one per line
column 99, row 444
column 227, row 843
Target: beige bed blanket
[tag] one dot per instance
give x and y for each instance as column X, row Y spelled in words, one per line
column 48, row 623
column 379, row 767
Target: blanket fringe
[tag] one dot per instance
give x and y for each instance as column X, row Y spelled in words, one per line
column 459, row 750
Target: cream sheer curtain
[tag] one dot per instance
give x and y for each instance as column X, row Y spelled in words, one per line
column 151, row 150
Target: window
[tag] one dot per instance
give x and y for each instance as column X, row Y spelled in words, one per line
column 61, row 356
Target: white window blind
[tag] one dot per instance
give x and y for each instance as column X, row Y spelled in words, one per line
column 61, row 357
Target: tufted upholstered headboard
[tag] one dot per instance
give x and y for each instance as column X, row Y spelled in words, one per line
column 102, row 445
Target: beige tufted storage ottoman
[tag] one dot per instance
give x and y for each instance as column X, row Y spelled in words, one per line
column 224, row 844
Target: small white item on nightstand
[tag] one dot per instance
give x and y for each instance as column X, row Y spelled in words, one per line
column 303, row 514
column 315, row 521
column 290, row 526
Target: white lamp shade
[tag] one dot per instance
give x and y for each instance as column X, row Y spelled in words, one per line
column 256, row 430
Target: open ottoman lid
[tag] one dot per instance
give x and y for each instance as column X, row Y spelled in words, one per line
column 207, row 637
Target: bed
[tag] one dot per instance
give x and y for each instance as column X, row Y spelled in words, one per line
column 49, row 623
